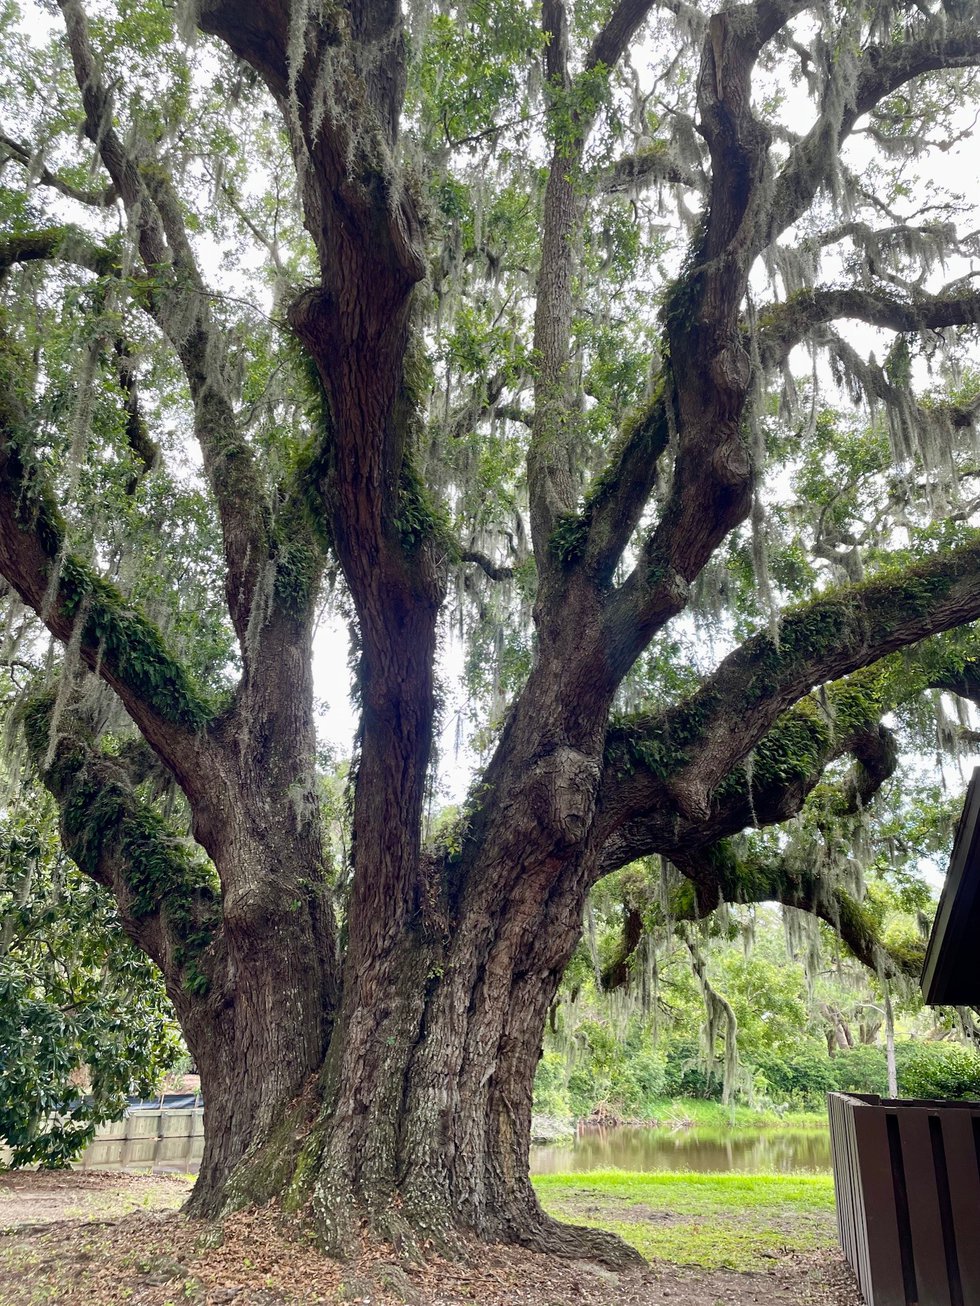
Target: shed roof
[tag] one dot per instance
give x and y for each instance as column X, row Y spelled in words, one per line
column 951, row 971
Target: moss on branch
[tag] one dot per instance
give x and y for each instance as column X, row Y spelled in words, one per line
column 722, row 873
column 131, row 647
column 622, row 482
column 124, row 843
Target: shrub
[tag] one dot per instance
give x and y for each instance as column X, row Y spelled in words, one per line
column 938, row 1070
column 637, row 1082
column 802, row 1078
column 861, row 1069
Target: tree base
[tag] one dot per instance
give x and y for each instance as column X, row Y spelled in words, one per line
column 342, row 1224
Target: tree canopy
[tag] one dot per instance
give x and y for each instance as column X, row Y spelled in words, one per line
column 635, row 342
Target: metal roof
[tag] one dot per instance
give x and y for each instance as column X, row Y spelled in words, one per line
column 951, row 970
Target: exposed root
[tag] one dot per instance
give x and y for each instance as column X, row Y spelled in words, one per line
column 578, row 1242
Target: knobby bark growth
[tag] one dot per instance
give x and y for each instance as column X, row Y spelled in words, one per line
column 380, row 1069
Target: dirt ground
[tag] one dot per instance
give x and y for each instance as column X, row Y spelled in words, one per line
column 104, row 1239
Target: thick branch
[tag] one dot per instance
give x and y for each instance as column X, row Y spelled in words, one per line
column 166, row 898
column 721, row 876
column 620, row 492
column 616, row 973
column 784, row 325
column 830, row 638
column 93, row 198
column 114, row 640
column 492, row 569
column 551, row 487
column 881, row 71
column 615, row 38
column 64, row 243
column 707, row 369
column 646, row 168
column 639, row 814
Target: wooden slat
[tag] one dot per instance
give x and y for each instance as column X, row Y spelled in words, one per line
column 927, row 1233
column 886, row 1282
column 963, row 1169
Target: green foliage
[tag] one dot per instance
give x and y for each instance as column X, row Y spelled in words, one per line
column 801, row 1078
column 938, row 1070
column 471, row 75
column 570, row 106
column 861, row 1069
column 84, row 1020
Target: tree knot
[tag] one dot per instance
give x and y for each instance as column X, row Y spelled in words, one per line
column 562, row 788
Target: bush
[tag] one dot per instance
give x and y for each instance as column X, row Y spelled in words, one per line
column 938, row 1070
column 802, row 1078
column 637, row 1082
column 861, row 1069
column 585, row 1089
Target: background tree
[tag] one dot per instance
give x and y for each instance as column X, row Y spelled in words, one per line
column 491, row 362
column 84, row 1021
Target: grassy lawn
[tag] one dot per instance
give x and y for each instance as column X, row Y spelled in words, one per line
column 731, row 1221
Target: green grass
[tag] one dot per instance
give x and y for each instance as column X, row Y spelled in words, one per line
column 730, row 1221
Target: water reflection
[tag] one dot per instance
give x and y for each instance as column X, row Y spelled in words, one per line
column 763, row 1151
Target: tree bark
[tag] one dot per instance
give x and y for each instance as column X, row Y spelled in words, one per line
column 415, row 1122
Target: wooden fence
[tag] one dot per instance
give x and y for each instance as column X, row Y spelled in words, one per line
column 164, row 1139
column 907, row 1178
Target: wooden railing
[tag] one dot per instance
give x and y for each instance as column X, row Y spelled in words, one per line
column 907, row 1178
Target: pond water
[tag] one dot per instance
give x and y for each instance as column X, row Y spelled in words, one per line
column 762, row 1151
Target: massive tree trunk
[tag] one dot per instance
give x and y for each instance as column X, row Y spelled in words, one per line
column 415, row 1119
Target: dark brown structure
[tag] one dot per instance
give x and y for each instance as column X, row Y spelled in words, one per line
column 907, row 1177
column 907, row 1172
column 951, row 971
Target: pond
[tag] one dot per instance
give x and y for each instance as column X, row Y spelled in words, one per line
column 748, row 1151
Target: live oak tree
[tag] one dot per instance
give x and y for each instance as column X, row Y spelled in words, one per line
column 499, row 379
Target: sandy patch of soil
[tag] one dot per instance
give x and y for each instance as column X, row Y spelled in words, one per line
column 39, row 1197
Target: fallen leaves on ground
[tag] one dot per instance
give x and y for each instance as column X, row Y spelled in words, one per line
column 160, row 1258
